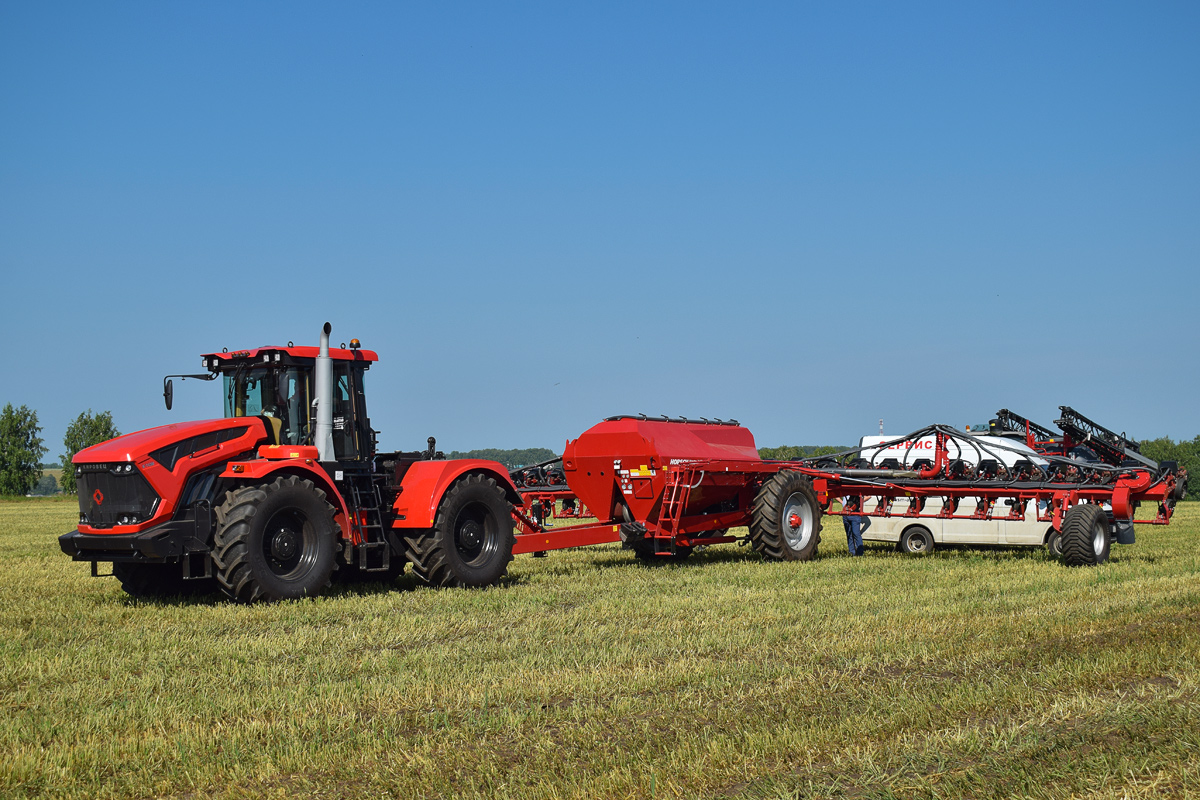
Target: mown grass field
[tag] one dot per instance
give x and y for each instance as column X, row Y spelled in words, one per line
column 971, row 673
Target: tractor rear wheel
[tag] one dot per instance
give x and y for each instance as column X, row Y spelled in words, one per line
column 1085, row 540
column 471, row 541
column 157, row 580
column 786, row 523
column 274, row 541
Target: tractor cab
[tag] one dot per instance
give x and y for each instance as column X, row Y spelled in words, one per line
column 278, row 384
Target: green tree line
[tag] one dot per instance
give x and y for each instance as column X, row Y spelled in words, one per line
column 509, row 458
column 22, row 449
column 789, row 452
column 1185, row 452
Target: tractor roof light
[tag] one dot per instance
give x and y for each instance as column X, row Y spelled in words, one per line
column 354, row 344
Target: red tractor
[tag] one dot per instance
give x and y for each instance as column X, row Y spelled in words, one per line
column 288, row 488
column 285, row 490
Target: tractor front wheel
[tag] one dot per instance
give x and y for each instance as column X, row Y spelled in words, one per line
column 471, row 541
column 275, row 541
column 786, row 523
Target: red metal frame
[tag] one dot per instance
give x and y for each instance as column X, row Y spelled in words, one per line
column 675, row 501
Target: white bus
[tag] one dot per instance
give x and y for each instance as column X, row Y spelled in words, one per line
column 921, row 535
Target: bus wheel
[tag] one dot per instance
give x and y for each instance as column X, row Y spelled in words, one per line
column 917, row 541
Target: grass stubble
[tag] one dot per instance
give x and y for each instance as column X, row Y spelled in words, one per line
column 970, row 673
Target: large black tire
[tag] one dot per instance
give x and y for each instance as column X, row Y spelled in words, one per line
column 157, row 580
column 916, row 540
column 275, row 541
column 471, row 541
column 786, row 498
column 1085, row 536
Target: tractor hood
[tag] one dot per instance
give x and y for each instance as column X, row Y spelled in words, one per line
column 132, row 483
column 156, row 442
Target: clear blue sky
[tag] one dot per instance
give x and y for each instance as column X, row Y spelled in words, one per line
column 807, row 217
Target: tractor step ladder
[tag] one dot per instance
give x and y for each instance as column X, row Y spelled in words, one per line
column 675, row 494
column 373, row 553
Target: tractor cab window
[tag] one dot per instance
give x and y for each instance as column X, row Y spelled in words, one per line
column 280, row 393
column 350, row 438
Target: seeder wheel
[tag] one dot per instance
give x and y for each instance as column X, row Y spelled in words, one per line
column 1085, row 540
column 786, row 523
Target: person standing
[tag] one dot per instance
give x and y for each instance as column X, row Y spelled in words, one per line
column 853, row 525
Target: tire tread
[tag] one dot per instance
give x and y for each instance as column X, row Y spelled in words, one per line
column 231, row 549
column 765, row 534
column 426, row 548
column 1076, row 537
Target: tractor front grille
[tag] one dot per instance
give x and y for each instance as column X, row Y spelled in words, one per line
column 113, row 494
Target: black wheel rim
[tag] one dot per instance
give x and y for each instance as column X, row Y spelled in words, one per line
column 476, row 534
column 289, row 544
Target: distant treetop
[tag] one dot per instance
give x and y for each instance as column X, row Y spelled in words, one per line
column 509, row 458
column 789, row 452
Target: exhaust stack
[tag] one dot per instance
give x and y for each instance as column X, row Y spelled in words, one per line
column 323, row 398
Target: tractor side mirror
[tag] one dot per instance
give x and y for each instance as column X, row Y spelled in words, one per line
column 168, row 392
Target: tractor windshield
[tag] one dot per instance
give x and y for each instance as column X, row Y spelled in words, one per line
column 281, row 393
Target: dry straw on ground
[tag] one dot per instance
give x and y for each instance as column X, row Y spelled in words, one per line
column 972, row 673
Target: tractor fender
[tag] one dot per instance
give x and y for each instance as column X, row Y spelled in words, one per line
column 425, row 482
column 258, row 470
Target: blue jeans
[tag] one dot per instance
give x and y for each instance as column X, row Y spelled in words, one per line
column 853, row 526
